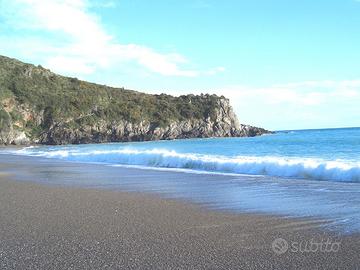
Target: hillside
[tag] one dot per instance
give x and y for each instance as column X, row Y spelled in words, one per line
column 38, row 106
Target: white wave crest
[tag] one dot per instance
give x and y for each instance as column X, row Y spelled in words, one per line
column 305, row 168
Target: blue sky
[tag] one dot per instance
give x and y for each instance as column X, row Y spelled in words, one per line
column 284, row 64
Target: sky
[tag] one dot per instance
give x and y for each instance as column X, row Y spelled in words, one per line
column 284, row 64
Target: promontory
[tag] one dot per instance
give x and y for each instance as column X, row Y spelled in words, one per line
column 38, row 106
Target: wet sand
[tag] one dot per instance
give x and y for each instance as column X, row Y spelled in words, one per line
column 68, row 227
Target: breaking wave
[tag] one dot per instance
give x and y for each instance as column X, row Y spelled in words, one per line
column 304, row 168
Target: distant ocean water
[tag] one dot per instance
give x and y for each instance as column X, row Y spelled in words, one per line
column 326, row 154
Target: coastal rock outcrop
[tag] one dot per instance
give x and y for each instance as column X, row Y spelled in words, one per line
column 38, row 106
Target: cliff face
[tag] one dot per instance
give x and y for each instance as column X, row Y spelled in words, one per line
column 38, row 106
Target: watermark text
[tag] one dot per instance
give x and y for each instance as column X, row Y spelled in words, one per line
column 281, row 246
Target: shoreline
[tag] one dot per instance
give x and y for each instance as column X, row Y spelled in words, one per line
column 49, row 227
column 168, row 155
column 335, row 202
column 46, row 226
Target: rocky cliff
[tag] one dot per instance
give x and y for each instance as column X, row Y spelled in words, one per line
column 38, row 106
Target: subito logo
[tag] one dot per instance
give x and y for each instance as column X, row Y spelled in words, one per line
column 279, row 246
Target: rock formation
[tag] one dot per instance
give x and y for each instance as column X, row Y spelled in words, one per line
column 40, row 107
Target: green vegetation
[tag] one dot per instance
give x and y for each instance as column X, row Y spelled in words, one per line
column 4, row 119
column 59, row 99
column 38, row 106
column 62, row 97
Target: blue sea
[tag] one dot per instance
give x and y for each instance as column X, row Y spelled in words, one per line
column 326, row 155
column 312, row 173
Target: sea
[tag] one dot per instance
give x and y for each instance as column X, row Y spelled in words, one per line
column 301, row 173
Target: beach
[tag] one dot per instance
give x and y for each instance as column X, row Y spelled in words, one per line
column 47, row 225
column 179, row 135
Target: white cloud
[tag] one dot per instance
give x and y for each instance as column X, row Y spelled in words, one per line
column 308, row 104
column 308, row 93
column 80, row 44
column 71, row 65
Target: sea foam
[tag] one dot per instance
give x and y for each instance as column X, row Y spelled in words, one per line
column 288, row 167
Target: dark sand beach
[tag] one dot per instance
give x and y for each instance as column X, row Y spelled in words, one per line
column 45, row 226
